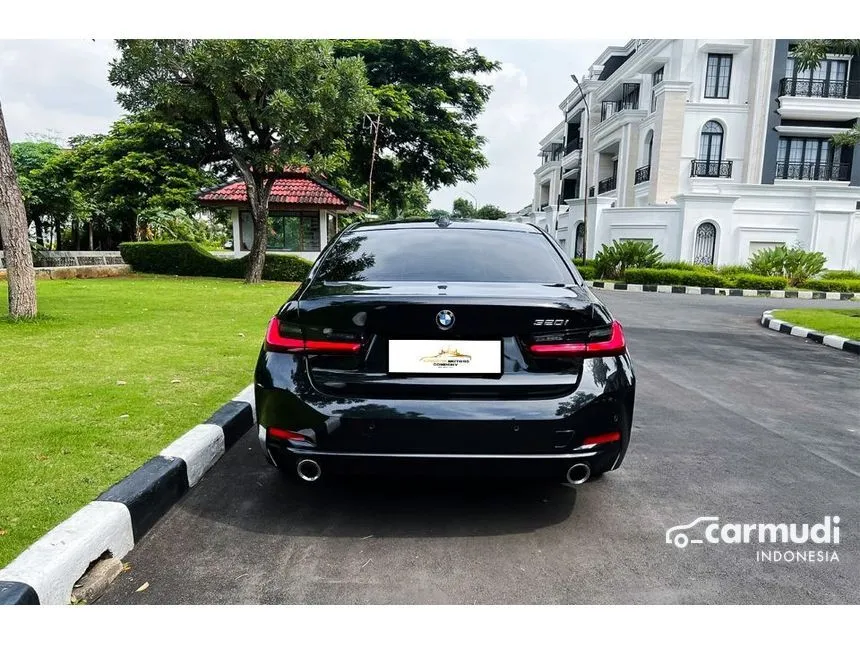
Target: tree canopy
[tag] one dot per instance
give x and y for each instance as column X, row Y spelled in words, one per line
column 428, row 100
column 262, row 105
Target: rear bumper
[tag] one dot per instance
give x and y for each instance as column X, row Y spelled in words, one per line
column 534, row 436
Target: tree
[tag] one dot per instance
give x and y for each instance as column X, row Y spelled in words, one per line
column 809, row 53
column 428, row 102
column 406, row 200
column 262, row 105
column 140, row 170
column 488, row 211
column 437, row 213
column 15, row 236
column 463, row 208
column 45, row 179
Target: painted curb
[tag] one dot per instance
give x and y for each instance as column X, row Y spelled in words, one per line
column 836, row 342
column 724, row 291
column 46, row 572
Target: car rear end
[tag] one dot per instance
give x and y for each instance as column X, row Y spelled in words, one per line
column 458, row 348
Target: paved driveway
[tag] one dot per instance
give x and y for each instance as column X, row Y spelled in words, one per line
column 731, row 420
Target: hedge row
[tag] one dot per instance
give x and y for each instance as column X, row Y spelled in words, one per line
column 833, row 285
column 189, row 258
column 703, row 279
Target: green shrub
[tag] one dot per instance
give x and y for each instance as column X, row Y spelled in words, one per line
column 612, row 261
column 753, row 281
column 684, row 266
column 794, row 263
column 587, row 272
column 189, row 258
column 675, row 277
column 832, row 285
column 733, row 269
column 841, row 275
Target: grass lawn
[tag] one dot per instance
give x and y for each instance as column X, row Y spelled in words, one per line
column 112, row 371
column 841, row 322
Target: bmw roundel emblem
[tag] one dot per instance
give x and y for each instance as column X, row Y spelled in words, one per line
column 445, row 319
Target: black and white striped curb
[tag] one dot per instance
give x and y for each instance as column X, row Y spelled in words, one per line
column 837, row 342
column 46, row 572
column 722, row 291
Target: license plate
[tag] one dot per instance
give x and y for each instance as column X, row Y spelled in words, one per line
column 445, row 357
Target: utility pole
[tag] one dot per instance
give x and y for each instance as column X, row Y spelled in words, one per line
column 375, row 127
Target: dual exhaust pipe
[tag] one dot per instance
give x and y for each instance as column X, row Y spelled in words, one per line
column 310, row 471
column 578, row 473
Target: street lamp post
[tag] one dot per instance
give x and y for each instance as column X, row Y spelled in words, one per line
column 473, row 199
column 584, row 164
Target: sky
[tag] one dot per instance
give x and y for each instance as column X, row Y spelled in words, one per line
column 60, row 88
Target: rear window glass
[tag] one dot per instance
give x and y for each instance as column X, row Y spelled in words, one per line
column 443, row 255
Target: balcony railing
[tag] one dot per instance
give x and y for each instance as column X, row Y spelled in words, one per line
column 608, row 108
column 814, row 171
column 642, row 175
column 553, row 154
column 711, row 169
column 819, row 88
column 605, row 185
column 575, row 144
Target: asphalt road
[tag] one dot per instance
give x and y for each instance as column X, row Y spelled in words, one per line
column 731, row 420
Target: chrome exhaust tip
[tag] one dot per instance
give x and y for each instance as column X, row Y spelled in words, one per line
column 308, row 470
column 578, row 473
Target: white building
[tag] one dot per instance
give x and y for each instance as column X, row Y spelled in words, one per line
column 712, row 149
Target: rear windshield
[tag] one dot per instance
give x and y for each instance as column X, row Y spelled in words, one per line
column 443, row 255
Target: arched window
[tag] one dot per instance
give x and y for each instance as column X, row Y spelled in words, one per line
column 710, row 150
column 706, row 242
column 579, row 241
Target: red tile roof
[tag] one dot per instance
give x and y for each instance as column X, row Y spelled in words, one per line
column 299, row 190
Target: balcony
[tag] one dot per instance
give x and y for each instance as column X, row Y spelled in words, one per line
column 608, row 108
column 812, row 171
column 605, row 185
column 575, row 144
column 642, row 175
column 718, row 169
column 554, row 153
column 819, row 88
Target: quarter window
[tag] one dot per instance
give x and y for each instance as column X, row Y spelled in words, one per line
column 718, row 76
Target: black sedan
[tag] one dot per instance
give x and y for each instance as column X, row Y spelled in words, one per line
column 454, row 346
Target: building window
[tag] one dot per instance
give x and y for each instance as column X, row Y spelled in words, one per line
column 706, row 242
column 828, row 79
column 579, row 241
column 809, row 158
column 718, row 76
column 289, row 230
column 656, row 78
column 711, row 143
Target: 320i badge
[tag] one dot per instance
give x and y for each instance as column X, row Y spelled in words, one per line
column 459, row 347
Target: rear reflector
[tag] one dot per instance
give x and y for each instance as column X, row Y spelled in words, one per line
column 278, row 433
column 614, row 346
column 609, row 437
column 277, row 342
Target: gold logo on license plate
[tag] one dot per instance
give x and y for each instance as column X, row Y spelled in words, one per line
column 448, row 357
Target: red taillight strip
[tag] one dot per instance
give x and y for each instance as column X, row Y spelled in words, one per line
column 609, row 437
column 280, row 433
column 614, row 346
column 276, row 342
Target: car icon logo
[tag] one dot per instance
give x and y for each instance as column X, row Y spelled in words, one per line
column 677, row 534
column 445, row 319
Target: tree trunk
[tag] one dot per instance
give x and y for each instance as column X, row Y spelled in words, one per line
column 90, row 223
column 59, row 226
column 40, row 231
column 258, row 189
column 76, row 231
column 13, row 224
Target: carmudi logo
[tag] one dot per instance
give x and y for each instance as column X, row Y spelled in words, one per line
column 824, row 535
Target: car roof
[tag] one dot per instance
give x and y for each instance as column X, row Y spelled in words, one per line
column 486, row 224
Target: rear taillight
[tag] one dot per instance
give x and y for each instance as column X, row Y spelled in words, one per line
column 613, row 346
column 279, row 341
